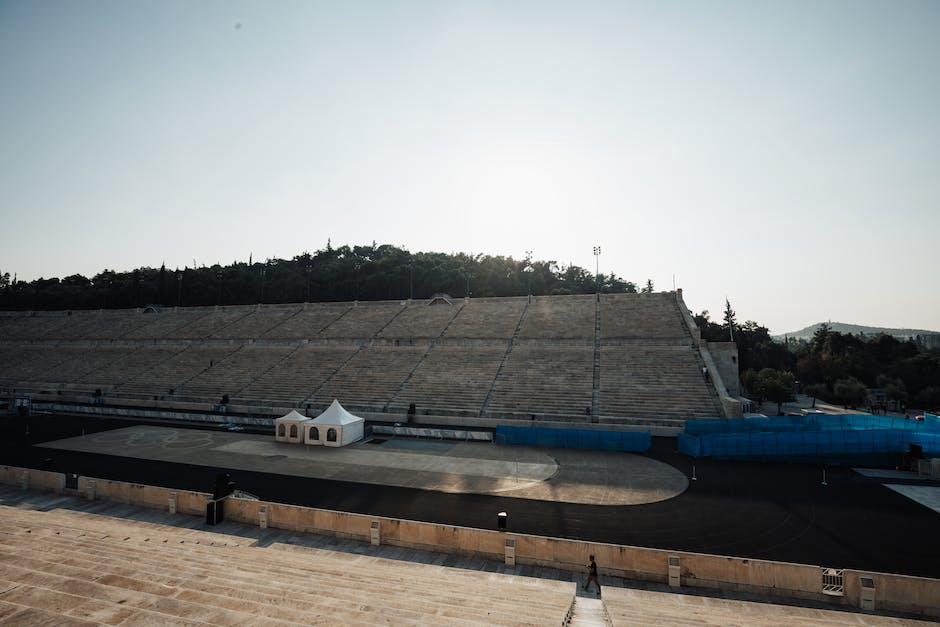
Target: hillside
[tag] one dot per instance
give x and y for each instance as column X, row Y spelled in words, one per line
column 855, row 329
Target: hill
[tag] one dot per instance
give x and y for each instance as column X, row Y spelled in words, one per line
column 855, row 329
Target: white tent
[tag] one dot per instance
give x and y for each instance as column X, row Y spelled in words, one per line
column 334, row 427
column 290, row 427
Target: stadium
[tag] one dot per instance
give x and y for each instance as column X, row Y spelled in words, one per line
column 506, row 441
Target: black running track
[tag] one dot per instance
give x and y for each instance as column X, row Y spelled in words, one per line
column 756, row 510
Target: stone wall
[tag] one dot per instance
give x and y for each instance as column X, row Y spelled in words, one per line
column 725, row 356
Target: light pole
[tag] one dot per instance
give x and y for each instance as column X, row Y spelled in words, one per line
column 411, row 281
column 179, row 289
column 218, row 275
column 597, row 267
column 261, row 298
column 307, row 269
column 528, row 270
column 357, row 281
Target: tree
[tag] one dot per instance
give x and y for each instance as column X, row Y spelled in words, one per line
column 649, row 287
column 729, row 319
column 816, row 390
column 820, row 338
column 751, row 383
column 776, row 386
column 928, row 399
column 894, row 390
column 758, row 350
column 711, row 331
column 850, row 392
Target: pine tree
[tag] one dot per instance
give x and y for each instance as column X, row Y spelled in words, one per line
column 730, row 320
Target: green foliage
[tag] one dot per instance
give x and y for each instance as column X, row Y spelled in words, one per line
column 898, row 367
column 929, row 398
column 751, row 382
column 850, row 392
column 895, row 391
column 756, row 348
column 816, row 390
column 776, row 386
column 730, row 319
column 342, row 273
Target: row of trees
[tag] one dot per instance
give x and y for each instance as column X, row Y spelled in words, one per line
column 832, row 366
column 376, row 272
column 842, row 367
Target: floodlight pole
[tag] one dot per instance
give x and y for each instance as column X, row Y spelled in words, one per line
column 261, row 296
column 307, row 270
column 597, row 268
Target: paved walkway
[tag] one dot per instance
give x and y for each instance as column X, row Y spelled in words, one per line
column 927, row 494
column 567, row 476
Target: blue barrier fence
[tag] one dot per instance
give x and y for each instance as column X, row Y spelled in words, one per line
column 833, row 438
column 818, row 422
column 632, row 441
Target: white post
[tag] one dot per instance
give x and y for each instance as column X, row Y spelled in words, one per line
column 510, row 549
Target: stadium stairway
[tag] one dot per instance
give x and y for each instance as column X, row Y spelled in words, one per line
column 589, row 613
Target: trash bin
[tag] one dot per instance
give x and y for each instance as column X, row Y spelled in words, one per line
column 501, row 519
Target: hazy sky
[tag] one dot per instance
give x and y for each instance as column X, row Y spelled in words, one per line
column 786, row 155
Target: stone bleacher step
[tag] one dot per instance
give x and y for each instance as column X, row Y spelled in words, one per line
column 193, row 597
column 115, row 566
column 588, row 612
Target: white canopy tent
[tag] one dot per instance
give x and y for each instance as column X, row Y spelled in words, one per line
column 334, row 427
column 290, row 427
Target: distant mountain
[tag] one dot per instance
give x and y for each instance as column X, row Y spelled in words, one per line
column 856, row 329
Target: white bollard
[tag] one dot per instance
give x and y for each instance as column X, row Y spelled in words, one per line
column 867, row 596
column 172, row 502
column 674, row 572
column 263, row 517
column 90, row 490
column 375, row 532
column 510, row 549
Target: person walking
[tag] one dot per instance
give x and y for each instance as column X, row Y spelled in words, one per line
column 592, row 576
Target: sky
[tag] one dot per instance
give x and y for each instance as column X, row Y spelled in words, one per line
column 783, row 155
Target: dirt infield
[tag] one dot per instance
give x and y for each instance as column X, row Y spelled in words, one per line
column 755, row 510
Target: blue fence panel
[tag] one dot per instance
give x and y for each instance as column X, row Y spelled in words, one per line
column 690, row 445
column 790, row 445
column 633, row 441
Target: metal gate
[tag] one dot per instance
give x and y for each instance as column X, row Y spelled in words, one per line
column 833, row 582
